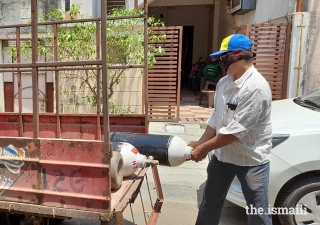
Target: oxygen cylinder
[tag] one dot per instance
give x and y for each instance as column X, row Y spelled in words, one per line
column 132, row 159
column 167, row 149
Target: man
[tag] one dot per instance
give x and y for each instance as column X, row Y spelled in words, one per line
column 239, row 131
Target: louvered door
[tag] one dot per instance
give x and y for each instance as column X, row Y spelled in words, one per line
column 164, row 77
column 271, row 42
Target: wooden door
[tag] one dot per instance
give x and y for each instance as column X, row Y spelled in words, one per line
column 164, row 77
column 271, row 42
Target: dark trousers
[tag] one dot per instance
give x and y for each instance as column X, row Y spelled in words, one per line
column 254, row 182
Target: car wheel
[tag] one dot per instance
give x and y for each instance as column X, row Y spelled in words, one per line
column 304, row 197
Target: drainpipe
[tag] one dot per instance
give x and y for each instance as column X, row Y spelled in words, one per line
column 299, row 6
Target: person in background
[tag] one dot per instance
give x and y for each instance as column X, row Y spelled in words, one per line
column 211, row 72
column 240, row 133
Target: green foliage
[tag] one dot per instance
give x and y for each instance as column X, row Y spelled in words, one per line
column 77, row 41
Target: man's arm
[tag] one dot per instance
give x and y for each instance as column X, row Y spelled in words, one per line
column 207, row 135
column 216, row 142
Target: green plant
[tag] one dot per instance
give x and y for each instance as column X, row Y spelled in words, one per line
column 77, row 41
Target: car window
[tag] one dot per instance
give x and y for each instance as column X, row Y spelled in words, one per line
column 311, row 100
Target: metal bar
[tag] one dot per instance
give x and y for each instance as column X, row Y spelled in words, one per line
column 52, row 211
column 105, row 92
column 131, row 190
column 49, row 67
column 57, row 78
column 157, row 182
column 48, row 64
column 19, row 81
column 98, row 41
column 155, row 213
column 158, row 205
column 71, row 21
column 146, row 45
column 34, row 33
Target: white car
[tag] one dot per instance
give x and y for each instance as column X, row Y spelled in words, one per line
column 295, row 161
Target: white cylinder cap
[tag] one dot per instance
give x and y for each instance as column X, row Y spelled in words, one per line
column 178, row 151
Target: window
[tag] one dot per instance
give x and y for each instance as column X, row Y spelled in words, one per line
column 67, row 5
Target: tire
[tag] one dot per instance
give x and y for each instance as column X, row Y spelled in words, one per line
column 294, row 194
column 116, row 170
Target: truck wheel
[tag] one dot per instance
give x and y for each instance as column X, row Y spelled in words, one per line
column 116, row 170
column 305, row 197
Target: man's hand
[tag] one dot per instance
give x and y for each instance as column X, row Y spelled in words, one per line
column 194, row 144
column 198, row 154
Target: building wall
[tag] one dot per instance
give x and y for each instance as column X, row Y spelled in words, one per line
column 265, row 10
column 197, row 16
column 17, row 12
column 312, row 68
column 305, row 40
column 86, row 6
column 223, row 24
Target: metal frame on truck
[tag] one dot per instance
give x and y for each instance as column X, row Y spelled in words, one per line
column 56, row 165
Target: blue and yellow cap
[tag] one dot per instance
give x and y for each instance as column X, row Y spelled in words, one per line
column 233, row 42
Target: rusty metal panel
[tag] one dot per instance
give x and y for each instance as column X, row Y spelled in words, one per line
column 83, row 126
column 70, row 174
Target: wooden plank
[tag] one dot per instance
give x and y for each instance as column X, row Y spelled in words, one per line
column 162, row 103
column 269, row 53
column 267, row 28
column 162, row 95
column 165, row 57
column 170, row 36
column 172, row 62
column 263, row 60
column 167, row 107
column 267, row 47
column 169, row 87
column 163, row 83
column 168, row 49
column 167, row 76
column 166, row 45
column 162, row 71
column 167, row 41
column 267, row 33
column 262, row 39
column 270, row 57
column 160, row 79
column 157, row 66
column 163, row 111
column 167, row 54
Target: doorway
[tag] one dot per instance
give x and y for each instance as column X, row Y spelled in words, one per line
column 187, row 54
